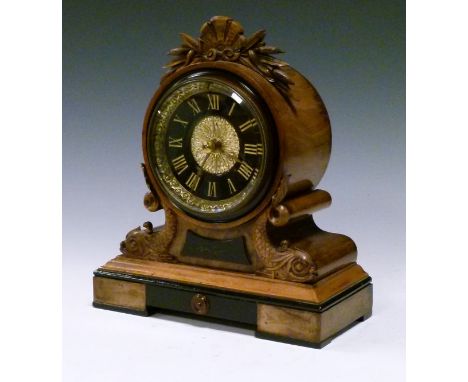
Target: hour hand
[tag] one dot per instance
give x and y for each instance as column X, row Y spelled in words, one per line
column 200, row 170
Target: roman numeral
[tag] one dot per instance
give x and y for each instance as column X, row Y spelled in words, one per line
column 177, row 119
column 245, row 170
column 255, row 174
column 194, row 106
column 253, row 149
column 247, row 125
column 213, row 100
column 232, row 188
column 231, row 109
column 192, row 181
column 175, row 142
column 180, row 164
column 212, row 189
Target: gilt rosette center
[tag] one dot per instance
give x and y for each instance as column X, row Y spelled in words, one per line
column 215, row 145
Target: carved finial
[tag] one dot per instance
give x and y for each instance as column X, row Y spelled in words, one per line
column 222, row 38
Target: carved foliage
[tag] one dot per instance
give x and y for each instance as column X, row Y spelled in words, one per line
column 283, row 262
column 222, row 38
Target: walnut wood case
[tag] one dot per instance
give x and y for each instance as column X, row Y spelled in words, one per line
column 272, row 267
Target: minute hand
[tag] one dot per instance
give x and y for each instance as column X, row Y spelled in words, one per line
column 231, row 156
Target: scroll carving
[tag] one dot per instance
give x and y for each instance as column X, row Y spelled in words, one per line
column 283, row 262
column 222, row 38
column 150, row 243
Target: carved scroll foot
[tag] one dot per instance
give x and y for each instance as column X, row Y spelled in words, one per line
column 290, row 264
column 150, row 243
column 283, row 262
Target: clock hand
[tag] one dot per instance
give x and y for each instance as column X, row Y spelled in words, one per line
column 232, row 156
column 207, row 155
column 206, row 158
column 226, row 160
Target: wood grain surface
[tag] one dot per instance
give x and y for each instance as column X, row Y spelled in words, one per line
column 311, row 326
column 316, row 293
column 118, row 293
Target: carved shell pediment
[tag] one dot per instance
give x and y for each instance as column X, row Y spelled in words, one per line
column 223, row 39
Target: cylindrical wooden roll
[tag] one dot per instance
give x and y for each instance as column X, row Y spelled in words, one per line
column 151, row 202
column 303, row 204
column 299, row 187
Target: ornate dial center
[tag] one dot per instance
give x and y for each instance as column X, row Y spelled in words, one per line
column 215, row 145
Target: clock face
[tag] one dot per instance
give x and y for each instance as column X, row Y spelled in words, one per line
column 211, row 146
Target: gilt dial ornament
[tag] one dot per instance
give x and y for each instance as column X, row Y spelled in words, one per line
column 215, row 145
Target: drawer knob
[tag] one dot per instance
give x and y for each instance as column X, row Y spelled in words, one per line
column 200, row 304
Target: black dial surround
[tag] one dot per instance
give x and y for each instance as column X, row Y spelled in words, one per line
column 212, row 146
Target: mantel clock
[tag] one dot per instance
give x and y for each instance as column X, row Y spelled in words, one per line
column 235, row 142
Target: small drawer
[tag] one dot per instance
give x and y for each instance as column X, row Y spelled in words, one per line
column 202, row 303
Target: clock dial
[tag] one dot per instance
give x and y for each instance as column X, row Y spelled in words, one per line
column 211, row 146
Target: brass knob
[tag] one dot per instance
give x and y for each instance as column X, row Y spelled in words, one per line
column 200, row 304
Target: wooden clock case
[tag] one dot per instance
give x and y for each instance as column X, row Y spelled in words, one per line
column 272, row 268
